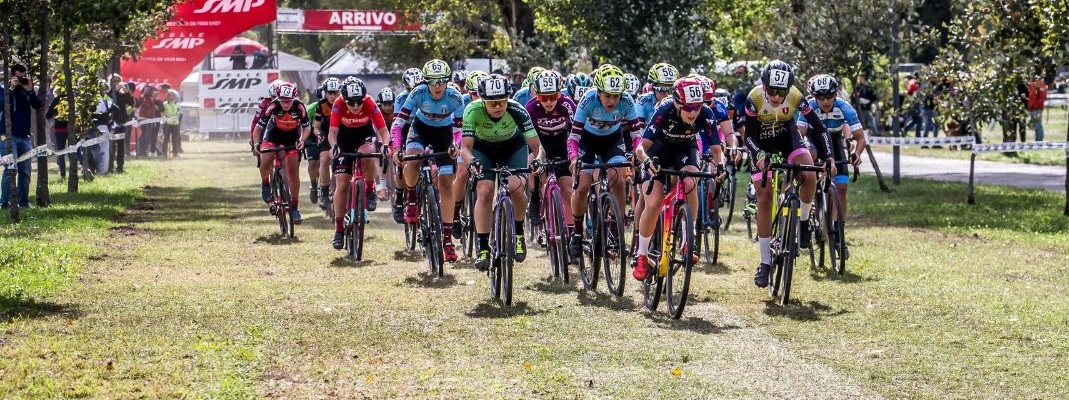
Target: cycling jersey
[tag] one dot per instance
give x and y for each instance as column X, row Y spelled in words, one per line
column 322, row 119
column 774, row 127
column 419, row 104
column 555, row 123
column 355, row 129
column 286, row 124
column 514, row 124
column 264, row 102
column 842, row 113
column 667, row 126
column 647, row 103
column 522, row 96
column 466, row 99
column 592, row 117
column 401, row 98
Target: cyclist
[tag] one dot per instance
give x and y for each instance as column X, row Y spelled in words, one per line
column 460, row 77
column 598, row 135
column 471, row 84
column 633, row 85
column 289, row 126
column 331, row 90
column 551, row 113
column 497, row 132
column 673, row 136
column 272, row 93
column 385, row 100
column 836, row 115
column 436, row 113
column 354, row 125
column 461, row 174
column 660, row 77
column 577, row 85
column 770, row 127
column 411, row 78
column 523, row 95
column 725, row 132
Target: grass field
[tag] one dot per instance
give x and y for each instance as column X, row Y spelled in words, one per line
column 192, row 294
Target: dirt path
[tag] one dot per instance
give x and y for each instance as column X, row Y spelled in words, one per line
column 198, row 297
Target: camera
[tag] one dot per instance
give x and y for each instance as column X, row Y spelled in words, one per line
column 24, row 80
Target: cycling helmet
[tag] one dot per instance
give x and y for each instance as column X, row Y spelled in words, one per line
column 578, row 85
column 354, row 91
column 688, row 91
column 548, row 82
column 349, row 79
column 823, row 85
column 722, row 95
column 663, row 74
column 436, row 69
column 495, row 87
column 331, row 85
column 287, row 91
column 777, row 75
column 531, row 74
column 412, row 77
column 386, row 96
column 272, row 89
column 460, row 76
column 473, row 78
column 708, row 89
column 633, row 84
column 610, row 79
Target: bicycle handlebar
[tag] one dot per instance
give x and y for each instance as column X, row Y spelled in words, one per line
column 579, row 166
column 424, row 156
column 277, row 149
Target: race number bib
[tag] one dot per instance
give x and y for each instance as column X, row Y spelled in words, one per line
column 547, row 84
column 692, row 94
column 779, row 78
column 614, row 84
column 354, row 90
column 668, row 74
column 496, row 87
column 581, row 91
column 822, row 83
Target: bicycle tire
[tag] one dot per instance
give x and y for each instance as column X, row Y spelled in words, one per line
column 710, row 233
column 431, row 219
column 682, row 241
column 467, row 217
column 728, row 196
column 817, row 219
column 775, row 273
column 837, row 225
column 507, row 251
column 653, row 285
column 588, row 256
column 287, row 217
column 356, row 219
column 496, row 236
column 557, row 243
column 277, row 209
column 792, row 235
column 612, row 226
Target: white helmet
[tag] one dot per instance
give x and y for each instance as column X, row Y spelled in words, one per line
column 412, row 77
column 272, row 89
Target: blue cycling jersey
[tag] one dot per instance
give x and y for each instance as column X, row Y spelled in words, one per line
column 646, row 106
column 466, row 99
column 842, row 113
column 445, row 111
column 592, row 116
column 522, row 96
column 401, row 97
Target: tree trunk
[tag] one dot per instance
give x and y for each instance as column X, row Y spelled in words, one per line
column 44, row 198
column 72, row 125
column 9, row 140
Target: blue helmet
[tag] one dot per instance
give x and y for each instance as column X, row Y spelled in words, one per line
column 579, row 80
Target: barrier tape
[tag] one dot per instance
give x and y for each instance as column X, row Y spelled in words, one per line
column 923, row 141
column 1018, row 146
column 45, row 151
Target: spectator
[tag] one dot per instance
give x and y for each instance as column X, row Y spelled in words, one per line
column 21, row 98
column 864, row 98
column 259, row 59
column 171, row 124
column 57, row 110
column 103, row 117
column 148, row 107
column 1037, row 99
column 118, row 95
column 238, row 59
column 928, row 109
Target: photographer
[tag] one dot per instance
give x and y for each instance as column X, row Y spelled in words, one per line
column 21, row 99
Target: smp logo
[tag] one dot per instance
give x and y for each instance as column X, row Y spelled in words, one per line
column 179, row 43
column 218, row 6
column 236, row 83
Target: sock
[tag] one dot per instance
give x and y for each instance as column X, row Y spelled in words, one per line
column 313, row 183
column 398, row 195
column 338, row 225
column 447, row 232
column 265, row 182
column 535, row 203
column 293, row 205
column 644, row 245
column 484, row 241
column 764, row 243
column 806, row 207
column 369, row 187
column 411, row 195
column 519, row 228
column 456, row 210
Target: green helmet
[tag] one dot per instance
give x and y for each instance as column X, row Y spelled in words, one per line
column 531, row 74
column 610, row 79
column 436, row 69
column 662, row 74
column 472, row 81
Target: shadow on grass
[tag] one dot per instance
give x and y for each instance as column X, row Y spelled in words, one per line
column 494, row 309
column 277, row 239
column 685, row 323
column 344, row 261
column 22, row 308
column 795, row 310
column 552, row 285
column 828, row 274
column 428, row 280
column 717, row 269
column 408, row 256
column 605, row 300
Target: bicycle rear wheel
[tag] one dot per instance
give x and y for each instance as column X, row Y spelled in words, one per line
column 557, row 235
column 611, row 241
column 680, row 262
column 727, row 196
column 355, row 215
column 817, row 227
column 653, row 286
column 837, row 241
column 467, row 221
column 431, row 221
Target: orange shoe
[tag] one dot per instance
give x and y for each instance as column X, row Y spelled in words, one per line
column 642, row 270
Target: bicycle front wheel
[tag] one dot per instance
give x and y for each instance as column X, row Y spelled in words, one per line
column 817, row 224
column 282, row 198
column 837, row 243
column 557, row 235
column 680, row 261
column 355, row 215
column 727, row 196
column 467, row 219
column 589, row 257
column 653, row 286
column 431, row 221
column 790, row 254
column 611, row 239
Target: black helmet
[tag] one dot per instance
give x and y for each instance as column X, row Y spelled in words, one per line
column 354, row 90
column 495, row 87
column 823, row 85
column 777, row 75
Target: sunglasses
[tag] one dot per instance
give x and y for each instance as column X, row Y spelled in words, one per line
column 333, row 92
column 691, row 107
column 825, row 97
column 549, row 97
column 497, row 103
column 353, row 103
column 437, row 82
column 777, row 92
column 662, row 89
